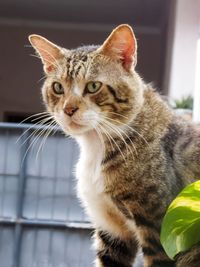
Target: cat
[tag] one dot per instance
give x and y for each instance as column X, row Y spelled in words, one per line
column 135, row 154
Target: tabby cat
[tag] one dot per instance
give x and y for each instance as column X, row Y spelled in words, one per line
column 136, row 155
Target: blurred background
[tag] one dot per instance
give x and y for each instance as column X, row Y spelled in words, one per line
column 41, row 221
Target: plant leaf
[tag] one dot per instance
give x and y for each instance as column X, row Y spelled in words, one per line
column 181, row 224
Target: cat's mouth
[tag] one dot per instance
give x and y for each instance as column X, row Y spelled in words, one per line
column 74, row 128
column 74, row 125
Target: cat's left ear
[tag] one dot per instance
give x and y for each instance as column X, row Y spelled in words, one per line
column 48, row 52
column 121, row 45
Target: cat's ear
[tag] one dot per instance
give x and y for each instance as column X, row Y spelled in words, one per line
column 48, row 52
column 121, row 44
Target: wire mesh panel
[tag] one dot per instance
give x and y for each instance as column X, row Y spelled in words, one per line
column 41, row 221
column 7, row 237
column 50, row 187
column 9, row 172
column 54, row 247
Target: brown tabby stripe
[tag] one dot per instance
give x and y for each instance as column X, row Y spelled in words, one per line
column 151, row 189
column 147, row 251
column 69, row 60
column 77, row 70
column 154, row 208
column 68, row 65
column 163, row 263
column 71, row 67
column 52, row 99
column 151, row 208
column 84, row 58
column 141, row 221
column 154, row 243
column 111, row 155
column 74, row 65
column 71, row 72
column 159, row 215
column 148, row 193
column 119, row 247
column 126, row 196
column 114, row 109
column 108, row 261
column 117, row 99
column 186, row 143
column 122, row 208
column 179, row 182
column 170, row 139
column 116, row 252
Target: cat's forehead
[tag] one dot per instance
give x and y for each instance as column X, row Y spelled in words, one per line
column 78, row 60
column 87, row 49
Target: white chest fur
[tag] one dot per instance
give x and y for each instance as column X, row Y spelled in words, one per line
column 90, row 187
column 90, row 180
column 88, row 169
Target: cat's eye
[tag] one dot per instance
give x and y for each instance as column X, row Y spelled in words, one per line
column 93, row 87
column 58, row 88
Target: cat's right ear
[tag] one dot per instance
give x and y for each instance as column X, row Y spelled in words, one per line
column 48, row 52
column 121, row 44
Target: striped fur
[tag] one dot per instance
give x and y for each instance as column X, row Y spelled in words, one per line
column 136, row 155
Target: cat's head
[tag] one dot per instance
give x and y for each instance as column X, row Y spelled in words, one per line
column 91, row 87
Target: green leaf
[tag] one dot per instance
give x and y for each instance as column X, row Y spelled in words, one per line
column 181, row 224
column 184, row 103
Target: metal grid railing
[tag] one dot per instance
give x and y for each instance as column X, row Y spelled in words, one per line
column 41, row 221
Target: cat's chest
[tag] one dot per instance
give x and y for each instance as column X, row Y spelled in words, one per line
column 91, row 186
column 88, row 169
column 99, row 206
column 89, row 174
column 91, row 190
column 91, row 183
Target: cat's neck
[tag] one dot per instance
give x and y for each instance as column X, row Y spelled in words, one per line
column 153, row 117
column 90, row 143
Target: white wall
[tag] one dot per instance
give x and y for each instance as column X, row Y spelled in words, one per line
column 180, row 79
column 196, row 108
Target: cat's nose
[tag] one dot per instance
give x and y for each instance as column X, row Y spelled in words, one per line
column 70, row 110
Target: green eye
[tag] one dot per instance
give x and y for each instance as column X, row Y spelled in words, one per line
column 93, row 87
column 58, row 88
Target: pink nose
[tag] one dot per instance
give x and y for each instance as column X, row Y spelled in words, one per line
column 70, row 110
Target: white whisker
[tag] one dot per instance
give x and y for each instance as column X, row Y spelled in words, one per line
column 52, row 126
column 128, row 126
column 120, row 133
column 34, row 115
column 35, row 139
column 107, row 133
column 41, row 122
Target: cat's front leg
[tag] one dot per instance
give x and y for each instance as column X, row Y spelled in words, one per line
column 147, row 227
column 113, row 251
column 153, row 252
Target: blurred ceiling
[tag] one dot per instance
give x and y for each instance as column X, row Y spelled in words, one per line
column 143, row 13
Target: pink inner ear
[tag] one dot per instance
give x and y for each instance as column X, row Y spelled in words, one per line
column 49, row 59
column 124, row 41
column 121, row 45
column 50, row 68
column 48, row 52
column 127, row 55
